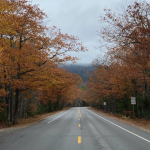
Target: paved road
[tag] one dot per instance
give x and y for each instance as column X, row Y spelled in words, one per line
column 76, row 129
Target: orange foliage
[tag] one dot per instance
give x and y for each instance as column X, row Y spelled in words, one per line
column 126, row 69
column 30, row 53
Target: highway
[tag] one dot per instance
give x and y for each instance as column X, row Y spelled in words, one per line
column 76, row 129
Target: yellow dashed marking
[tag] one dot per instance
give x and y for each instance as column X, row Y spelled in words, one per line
column 79, row 139
column 79, row 113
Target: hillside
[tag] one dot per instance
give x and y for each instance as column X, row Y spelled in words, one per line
column 82, row 70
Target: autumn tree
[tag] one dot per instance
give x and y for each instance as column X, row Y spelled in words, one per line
column 29, row 52
column 127, row 38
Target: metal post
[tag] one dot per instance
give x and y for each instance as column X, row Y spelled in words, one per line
column 133, row 102
column 133, row 113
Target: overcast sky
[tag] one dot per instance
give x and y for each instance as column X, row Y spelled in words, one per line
column 78, row 18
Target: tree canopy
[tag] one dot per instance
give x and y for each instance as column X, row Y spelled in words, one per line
column 29, row 56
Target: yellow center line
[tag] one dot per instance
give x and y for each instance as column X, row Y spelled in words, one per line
column 79, row 139
column 79, row 113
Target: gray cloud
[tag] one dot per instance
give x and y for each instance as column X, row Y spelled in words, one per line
column 78, row 18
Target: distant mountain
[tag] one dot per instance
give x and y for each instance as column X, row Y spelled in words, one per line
column 83, row 71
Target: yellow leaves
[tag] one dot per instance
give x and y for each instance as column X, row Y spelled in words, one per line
column 4, row 6
column 53, row 82
column 1, row 49
column 26, row 57
column 3, row 93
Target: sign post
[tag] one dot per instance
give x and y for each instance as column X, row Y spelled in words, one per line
column 105, row 106
column 133, row 102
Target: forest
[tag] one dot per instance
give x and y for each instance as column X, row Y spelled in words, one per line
column 124, row 72
column 33, row 76
column 30, row 80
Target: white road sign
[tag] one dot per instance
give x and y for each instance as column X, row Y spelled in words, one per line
column 133, row 100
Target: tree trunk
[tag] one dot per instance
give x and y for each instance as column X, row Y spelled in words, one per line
column 16, row 106
column 11, row 106
column 114, row 106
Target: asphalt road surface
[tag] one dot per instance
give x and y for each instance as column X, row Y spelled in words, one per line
column 76, row 129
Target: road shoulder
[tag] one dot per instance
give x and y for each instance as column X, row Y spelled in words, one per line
column 141, row 124
column 22, row 123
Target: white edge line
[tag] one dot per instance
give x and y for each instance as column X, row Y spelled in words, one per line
column 59, row 116
column 120, row 127
column 52, row 115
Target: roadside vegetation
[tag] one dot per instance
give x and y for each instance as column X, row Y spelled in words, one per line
column 124, row 72
column 141, row 123
column 31, row 82
column 23, row 122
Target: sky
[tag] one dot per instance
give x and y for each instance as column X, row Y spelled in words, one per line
column 79, row 18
